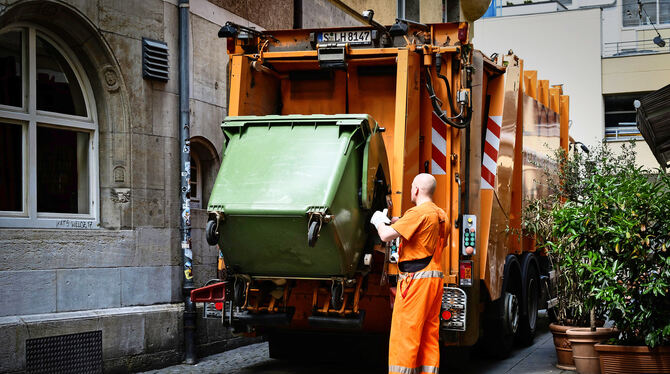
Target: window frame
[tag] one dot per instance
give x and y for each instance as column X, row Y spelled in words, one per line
column 30, row 118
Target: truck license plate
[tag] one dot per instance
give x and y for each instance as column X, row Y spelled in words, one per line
column 350, row 36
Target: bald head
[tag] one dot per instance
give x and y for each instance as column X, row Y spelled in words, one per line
column 426, row 184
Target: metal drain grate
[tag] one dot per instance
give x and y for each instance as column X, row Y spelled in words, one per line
column 74, row 353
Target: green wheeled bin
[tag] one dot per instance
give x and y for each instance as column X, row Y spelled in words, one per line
column 294, row 194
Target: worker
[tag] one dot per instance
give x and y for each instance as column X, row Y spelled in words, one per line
column 414, row 341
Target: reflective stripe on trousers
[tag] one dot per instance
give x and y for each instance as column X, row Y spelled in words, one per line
column 422, row 274
column 417, row 370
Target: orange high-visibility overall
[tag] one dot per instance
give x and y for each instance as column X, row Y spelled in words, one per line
column 414, row 343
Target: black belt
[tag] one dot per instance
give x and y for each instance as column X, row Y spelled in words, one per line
column 414, row 265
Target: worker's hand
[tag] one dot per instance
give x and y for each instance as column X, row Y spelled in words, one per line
column 380, row 217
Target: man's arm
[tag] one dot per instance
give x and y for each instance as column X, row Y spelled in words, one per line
column 387, row 233
column 380, row 221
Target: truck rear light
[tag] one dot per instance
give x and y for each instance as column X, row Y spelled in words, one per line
column 454, row 309
column 218, row 306
column 465, row 273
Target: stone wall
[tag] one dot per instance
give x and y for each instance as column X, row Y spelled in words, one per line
column 124, row 277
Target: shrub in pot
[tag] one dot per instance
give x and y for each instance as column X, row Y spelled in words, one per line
column 627, row 223
column 549, row 221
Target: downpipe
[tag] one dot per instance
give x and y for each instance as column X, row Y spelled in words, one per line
column 185, row 186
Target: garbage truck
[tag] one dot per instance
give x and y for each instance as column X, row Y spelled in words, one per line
column 327, row 126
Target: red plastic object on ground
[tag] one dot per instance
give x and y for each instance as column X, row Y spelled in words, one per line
column 214, row 293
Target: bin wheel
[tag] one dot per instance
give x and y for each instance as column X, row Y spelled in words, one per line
column 210, row 233
column 313, row 233
column 337, row 295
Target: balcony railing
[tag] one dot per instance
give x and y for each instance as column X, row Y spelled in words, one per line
column 632, row 48
column 628, row 131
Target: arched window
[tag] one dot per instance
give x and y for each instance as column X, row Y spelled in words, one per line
column 48, row 134
column 196, row 182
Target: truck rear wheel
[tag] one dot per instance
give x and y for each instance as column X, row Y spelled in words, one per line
column 501, row 326
column 529, row 302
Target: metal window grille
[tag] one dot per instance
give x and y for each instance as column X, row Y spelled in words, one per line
column 73, row 353
column 154, row 60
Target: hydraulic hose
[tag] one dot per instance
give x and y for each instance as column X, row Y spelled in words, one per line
column 438, row 110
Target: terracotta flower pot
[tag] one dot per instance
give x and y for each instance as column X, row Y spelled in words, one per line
column 582, row 340
column 625, row 359
column 563, row 347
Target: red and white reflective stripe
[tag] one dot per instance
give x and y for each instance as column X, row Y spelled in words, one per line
column 438, row 165
column 490, row 156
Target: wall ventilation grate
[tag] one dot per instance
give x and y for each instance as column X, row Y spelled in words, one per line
column 73, row 353
column 154, row 60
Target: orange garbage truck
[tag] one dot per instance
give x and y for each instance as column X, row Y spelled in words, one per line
column 327, row 126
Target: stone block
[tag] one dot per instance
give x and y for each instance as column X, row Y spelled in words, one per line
column 27, row 292
column 171, row 37
column 146, row 285
column 148, row 161
column 209, row 63
column 141, row 19
column 166, row 114
column 50, row 249
column 53, row 324
column 92, row 288
column 122, row 334
column 203, row 273
column 162, row 329
column 88, row 8
column 13, row 335
column 172, row 182
column 177, row 275
column 110, row 210
column 148, row 207
column 128, row 52
column 157, row 246
column 206, row 121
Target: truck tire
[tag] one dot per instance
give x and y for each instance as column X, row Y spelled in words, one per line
column 502, row 315
column 500, row 330
column 529, row 300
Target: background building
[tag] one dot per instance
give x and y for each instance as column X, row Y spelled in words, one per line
column 603, row 51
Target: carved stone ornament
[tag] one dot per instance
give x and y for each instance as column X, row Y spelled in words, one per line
column 120, row 195
column 110, row 77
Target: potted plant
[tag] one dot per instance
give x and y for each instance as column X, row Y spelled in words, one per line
column 631, row 221
column 548, row 220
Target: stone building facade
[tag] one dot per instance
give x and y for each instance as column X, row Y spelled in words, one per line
column 90, row 209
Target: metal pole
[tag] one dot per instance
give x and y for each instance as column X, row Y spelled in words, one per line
column 185, row 186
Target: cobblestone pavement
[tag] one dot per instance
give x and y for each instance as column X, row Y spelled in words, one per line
column 253, row 359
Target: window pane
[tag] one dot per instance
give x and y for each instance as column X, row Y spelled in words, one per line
column 62, row 171
column 11, row 172
column 57, row 87
column 11, row 84
column 634, row 16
